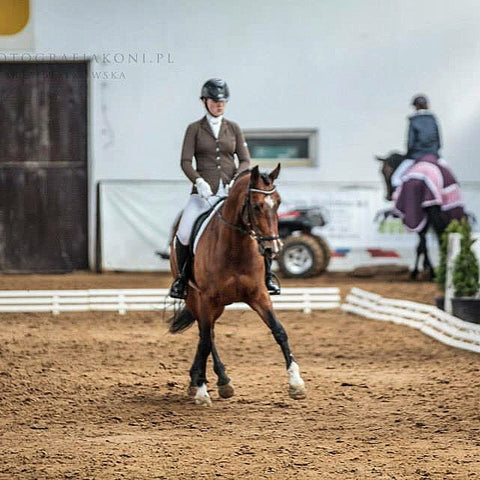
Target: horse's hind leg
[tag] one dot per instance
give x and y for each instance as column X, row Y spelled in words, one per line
column 224, row 384
column 296, row 385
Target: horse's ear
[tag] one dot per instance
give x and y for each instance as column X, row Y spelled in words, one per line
column 380, row 159
column 274, row 173
column 255, row 175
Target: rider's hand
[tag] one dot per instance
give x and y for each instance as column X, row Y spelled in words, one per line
column 203, row 188
column 229, row 186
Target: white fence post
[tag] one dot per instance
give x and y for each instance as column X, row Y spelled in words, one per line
column 476, row 248
column 453, row 249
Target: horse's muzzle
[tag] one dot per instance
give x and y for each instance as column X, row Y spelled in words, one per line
column 275, row 246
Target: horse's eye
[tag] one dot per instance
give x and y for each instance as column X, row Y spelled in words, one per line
column 257, row 207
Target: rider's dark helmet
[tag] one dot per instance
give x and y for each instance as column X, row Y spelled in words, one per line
column 216, row 89
column 420, row 101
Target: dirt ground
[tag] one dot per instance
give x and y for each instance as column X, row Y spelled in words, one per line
column 98, row 395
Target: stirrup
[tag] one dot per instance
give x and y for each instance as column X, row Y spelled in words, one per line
column 178, row 289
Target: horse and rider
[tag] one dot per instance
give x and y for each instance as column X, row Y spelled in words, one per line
column 213, row 141
column 423, row 188
column 229, row 257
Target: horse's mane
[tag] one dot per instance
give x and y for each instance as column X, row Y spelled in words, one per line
column 243, row 173
column 394, row 159
column 263, row 175
column 239, row 185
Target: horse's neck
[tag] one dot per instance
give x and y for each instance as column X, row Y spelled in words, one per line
column 232, row 208
column 232, row 213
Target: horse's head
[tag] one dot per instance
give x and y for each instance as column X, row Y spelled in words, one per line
column 389, row 165
column 259, row 212
column 253, row 203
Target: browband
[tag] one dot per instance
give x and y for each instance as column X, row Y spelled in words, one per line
column 265, row 192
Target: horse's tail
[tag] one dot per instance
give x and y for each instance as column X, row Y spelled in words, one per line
column 181, row 320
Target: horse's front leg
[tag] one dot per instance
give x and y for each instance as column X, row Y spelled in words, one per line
column 427, row 265
column 296, row 385
column 198, row 375
column 420, row 251
column 208, row 312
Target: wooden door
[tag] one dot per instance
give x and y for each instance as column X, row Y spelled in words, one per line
column 43, row 167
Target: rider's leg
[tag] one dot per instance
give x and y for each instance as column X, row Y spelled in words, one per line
column 195, row 207
column 183, row 257
column 272, row 287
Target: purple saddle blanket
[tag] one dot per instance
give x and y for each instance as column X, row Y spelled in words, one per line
column 427, row 182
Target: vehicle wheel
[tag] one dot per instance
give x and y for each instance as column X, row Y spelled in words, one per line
column 301, row 257
column 326, row 252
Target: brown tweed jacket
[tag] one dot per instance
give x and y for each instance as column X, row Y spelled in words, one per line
column 214, row 158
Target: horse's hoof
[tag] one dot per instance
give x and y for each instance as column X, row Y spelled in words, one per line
column 203, row 400
column 202, row 397
column 297, row 392
column 192, row 390
column 226, row 391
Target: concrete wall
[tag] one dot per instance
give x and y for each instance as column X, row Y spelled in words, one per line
column 347, row 68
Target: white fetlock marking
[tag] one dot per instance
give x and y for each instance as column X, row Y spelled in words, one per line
column 202, row 396
column 294, row 372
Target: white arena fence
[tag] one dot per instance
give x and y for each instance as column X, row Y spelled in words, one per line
column 124, row 300
column 427, row 318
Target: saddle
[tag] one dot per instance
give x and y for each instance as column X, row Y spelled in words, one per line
column 201, row 223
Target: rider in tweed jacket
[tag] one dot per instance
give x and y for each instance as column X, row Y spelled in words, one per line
column 213, row 141
column 214, row 156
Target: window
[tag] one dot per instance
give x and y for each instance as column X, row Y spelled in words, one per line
column 296, row 148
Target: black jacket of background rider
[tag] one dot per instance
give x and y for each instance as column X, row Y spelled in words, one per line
column 423, row 135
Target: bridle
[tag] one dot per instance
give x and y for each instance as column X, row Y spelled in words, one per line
column 249, row 223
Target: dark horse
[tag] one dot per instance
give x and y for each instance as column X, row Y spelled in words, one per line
column 228, row 268
column 435, row 216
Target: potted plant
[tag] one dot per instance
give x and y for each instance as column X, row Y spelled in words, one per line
column 441, row 271
column 466, row 303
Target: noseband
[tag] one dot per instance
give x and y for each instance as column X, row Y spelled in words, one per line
column 250, row 230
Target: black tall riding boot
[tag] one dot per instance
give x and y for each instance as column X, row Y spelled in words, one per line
column 179, row 286
column 272, row 287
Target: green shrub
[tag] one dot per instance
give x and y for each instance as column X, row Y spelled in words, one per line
column 465, row 270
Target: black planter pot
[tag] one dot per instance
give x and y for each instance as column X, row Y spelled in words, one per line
column 440, row 302
column 466, row 308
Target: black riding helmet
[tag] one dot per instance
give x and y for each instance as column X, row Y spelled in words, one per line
column 420, row 101
column 215, row 89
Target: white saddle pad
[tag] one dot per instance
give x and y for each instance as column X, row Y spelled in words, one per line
column 205, row 223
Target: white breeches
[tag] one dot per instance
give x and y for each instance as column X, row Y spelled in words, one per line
column 196, row 205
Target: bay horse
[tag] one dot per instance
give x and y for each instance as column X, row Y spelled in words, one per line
column 228, row 267
column 435, row 216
